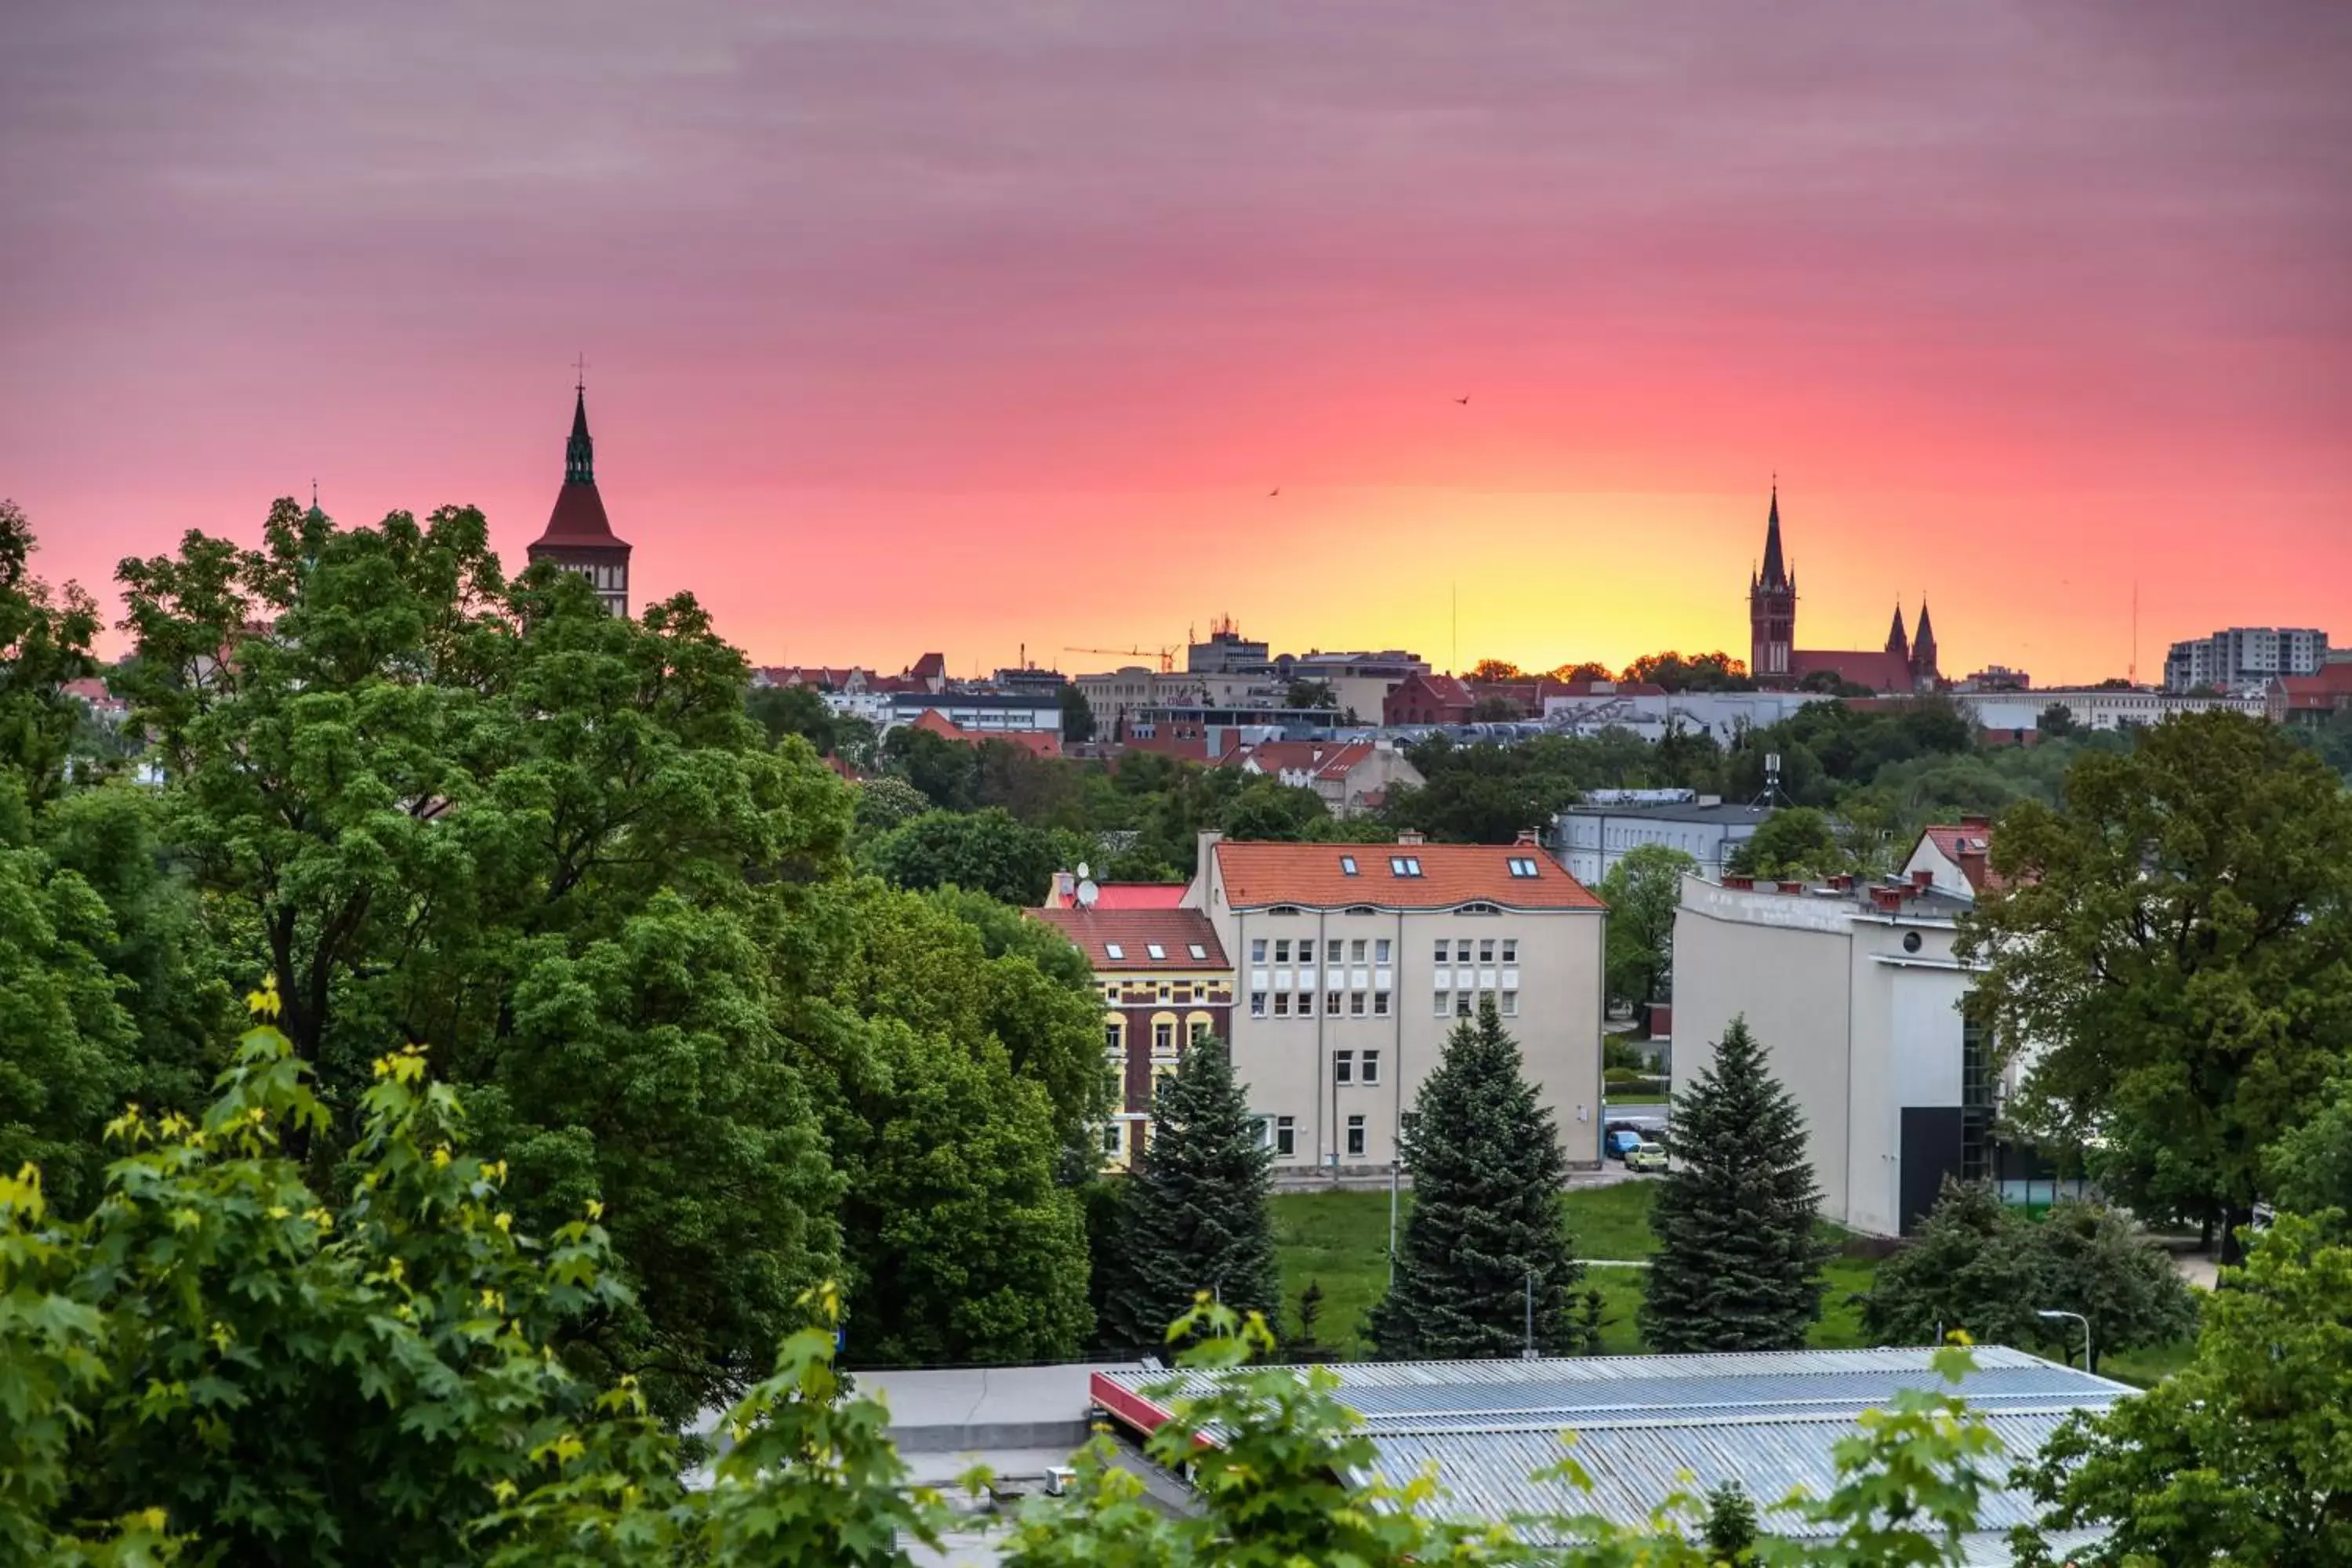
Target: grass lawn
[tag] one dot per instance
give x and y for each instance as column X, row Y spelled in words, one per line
column 1340, row 1239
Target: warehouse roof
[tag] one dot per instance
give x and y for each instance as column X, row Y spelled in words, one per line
column 1650, row 1426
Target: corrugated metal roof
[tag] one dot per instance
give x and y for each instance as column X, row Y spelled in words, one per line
column 1649, row 1427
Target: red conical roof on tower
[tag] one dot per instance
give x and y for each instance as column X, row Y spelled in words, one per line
column 578, row 519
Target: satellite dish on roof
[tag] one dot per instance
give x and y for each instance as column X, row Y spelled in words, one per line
column 1083, row 872
column 1087, row 894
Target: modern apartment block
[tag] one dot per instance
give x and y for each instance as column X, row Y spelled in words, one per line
column 1353, row 961
column 1593, row 834
column 2239, row 657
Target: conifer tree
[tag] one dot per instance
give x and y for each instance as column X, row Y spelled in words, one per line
column 1193, row 1216
column 1486, row 1232
column 1739, row 1266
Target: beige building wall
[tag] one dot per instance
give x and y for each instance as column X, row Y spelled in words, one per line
column 1288, row 1061
column 1793, row 987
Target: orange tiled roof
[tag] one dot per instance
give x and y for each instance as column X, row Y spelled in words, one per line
column 1316, row 759
column 1176, row 932
column 1312, row 873
column 1041, row 742
column 1126, row 896
column 1966, row 847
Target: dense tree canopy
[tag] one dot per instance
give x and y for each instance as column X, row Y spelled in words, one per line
column 2178, row 934
column 2242, row 1458
column 1976, row 1264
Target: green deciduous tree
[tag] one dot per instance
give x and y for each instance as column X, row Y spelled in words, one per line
column 885, row 802
column 986, row 851
column 2311, row 1167
column 44, row 641
column 2242, row 1457
column 1310, row 694
column 1643, row 890
column 781, row 710
column 443, row 806
column 1796, row 842
column 2179, row 937
column 1194, row 1215
column 1269, row 810
column 1977, row 1265
column 1487, row 1227
column 1739, row 1266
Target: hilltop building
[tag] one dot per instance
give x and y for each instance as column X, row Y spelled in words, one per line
column 1907, row 663
column 578, row 538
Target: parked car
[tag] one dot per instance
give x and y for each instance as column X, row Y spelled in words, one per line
column 1621, row 1141
column 1646, row 1156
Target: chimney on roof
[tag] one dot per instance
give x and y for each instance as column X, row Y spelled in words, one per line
column 1064, row 885
column 1526, row 838
column 1733, row 880
column 1410, row 837
column 1888, row 900
column 1922, row 879
column 1843, row 881
column 1975, row 819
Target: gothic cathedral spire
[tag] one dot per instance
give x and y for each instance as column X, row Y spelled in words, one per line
column 1772, row 606
column 1897, row 643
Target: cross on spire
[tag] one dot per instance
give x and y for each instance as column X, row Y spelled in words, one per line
column 579, row 374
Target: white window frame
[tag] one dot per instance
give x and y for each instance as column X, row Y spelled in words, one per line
column 1343, row 1066
column 1368, row 1071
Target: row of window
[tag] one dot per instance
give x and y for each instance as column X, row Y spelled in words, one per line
column 1116, row 991
column 1464, row 1004
column 1301, row 1005
column 1353, row 951
column 1284, row 1132
column 1164, row 1038
column 1153, row 950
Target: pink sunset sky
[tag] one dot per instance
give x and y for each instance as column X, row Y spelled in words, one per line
column 972, row 327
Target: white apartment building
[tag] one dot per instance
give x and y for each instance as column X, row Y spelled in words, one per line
column 2095, row 707
column 1726, row 715
column 1354, row 961
column 1854, row 994
column 1593, row 835
column 2238, row 657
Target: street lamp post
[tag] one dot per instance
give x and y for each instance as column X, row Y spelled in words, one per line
column 1529, row 1353
column 2053, row 1315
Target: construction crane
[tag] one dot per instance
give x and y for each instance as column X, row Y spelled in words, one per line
column 1167, row 656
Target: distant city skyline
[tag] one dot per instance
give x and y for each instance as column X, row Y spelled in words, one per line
column 920, row 328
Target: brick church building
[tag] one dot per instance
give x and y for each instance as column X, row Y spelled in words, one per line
column 1907, row 664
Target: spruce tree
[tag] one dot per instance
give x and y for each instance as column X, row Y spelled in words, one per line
column 1194, row 1215
column 1739, row 1266
column 1487, row 1172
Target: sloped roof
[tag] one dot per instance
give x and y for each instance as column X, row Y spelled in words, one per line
column 578, row 522
column 1127, row 896
column 1874, row 667
column 1038, row 743
column 1316, row 759
column 1136, row 931
column 1968, row 847
column 1314, row 875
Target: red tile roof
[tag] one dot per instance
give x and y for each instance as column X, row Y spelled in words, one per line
column 1316, row 759
column 1125, row 896
column 1134, row 932
column 1966, row 847
column 1311, row 873
column 1874, row 667
column 1040, row 743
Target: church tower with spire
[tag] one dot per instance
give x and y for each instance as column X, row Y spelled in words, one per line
column 1771, row 607
column 1925, row 676
column 1897, row 643
column 578, row 538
